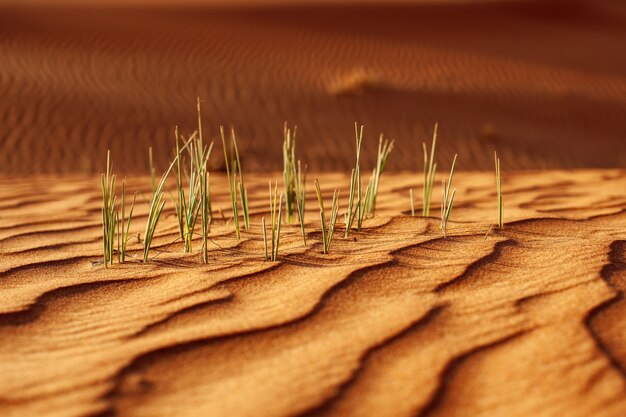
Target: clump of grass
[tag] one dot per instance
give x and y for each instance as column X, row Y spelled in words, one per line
column 109, row 212
column 197, row 203
column 157, row 203
column 123, row 227
column 187, row 207
column 328, row 232
column 430, row 168
column 447, row 199
column 300, row 189
column 355, row 211
column 233, row 169
column 276, row 214
column 114, row 217
column 499, row 190
column 289, row 170
column 384, row 149
column 412, row 202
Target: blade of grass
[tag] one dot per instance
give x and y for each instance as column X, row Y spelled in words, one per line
column 430, row 168
column 109, row 212
column 243, row 193
column 447, row 199
column 384, row 149
column 499, row 191
column 300, row 190
column 232, row 181
column 265, row 238
column 157, row 203
column 327, row 231
column 355, row 185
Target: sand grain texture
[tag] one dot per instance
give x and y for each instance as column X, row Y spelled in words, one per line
column 544, row 82
column 396, row 321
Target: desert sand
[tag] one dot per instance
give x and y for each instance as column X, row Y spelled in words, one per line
column 527, row 320
column 543, row 82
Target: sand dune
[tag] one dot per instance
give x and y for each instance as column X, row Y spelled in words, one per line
column 544, row 82
column 397, row 321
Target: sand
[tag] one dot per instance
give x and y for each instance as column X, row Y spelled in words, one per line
column 543, row 82
column 395, row 321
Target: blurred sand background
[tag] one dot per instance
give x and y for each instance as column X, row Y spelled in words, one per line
column 543, row 82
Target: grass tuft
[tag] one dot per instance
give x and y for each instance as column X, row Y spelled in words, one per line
column 355, row 210
column 430, row 169
column 233, row 169
column 123, row 230
column 197, row 203
column 276, row 214
column 499, row 191
column 300, row 189
column 109, row 212
column 202, row 157
column 384, row 149
column 187, row 210
column 157, row 203
column 328, row 232
column 447, row 199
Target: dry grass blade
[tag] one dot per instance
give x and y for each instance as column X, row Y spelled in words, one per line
column 300, row 189
column 328, row 232
column 447, row 199
column 276, row 210
column 430, row 168
column 201, row 155
column 187, row 211
column 412, row 202
column 499, row 191
column 355, row 211
column 156, row 205
column 232, row 183
column 124, row 225
column 384, row 149
column 233, row 170
column 109, row 212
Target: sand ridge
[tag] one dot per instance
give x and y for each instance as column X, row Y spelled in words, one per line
column 394, row 321
column 543, row 82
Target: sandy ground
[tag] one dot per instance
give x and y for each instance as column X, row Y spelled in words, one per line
column 396, row 321
column 544, row 82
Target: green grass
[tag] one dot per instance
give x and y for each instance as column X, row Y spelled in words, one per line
column 187, row 206
column 202, row 155
column 499, row 191
column 384, row 149
column 109, row 212
column 430, row 169
column 276, row 214
column 289, row 171
column 233, row 169
column 157, row 203
column 300, row 189
column 355, row 210
column 328, row 232
column 197, row 202
column 447, row 199
column 123, row 227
